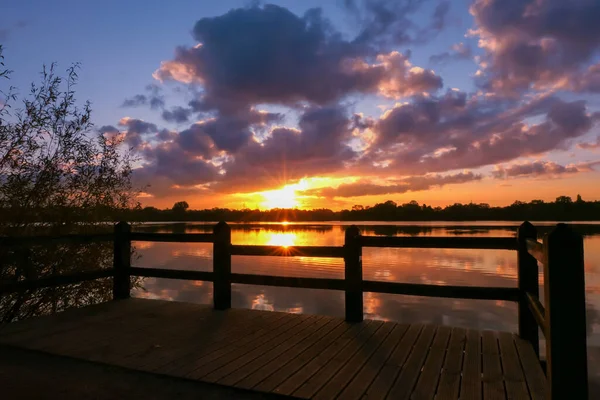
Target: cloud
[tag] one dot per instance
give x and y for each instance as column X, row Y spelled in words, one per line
column 590, row 145
column 455, row 132
column 318, row 146
column 540, row 168
column 135, row 130
column 387, row 24
column 409, row 184
column 536, row 168
column 268, row 54
column 535, row 43
column 177, row 114
column 460, row 51
column 154, row 98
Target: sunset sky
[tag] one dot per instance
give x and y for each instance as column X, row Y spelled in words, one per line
column 332, row 103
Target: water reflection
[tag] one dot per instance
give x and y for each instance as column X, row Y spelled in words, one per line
column 429, row 266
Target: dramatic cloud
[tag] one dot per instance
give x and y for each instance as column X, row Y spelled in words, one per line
column 540, row 168
column 269, row 55
column 318, row 146
column 410, row 184
column 590, row 145
column 539, row 43
column 154, row 99
column 390, row 23
column 135, row 130
column 460, row 51
column 178, row 115
column 535, row 168
column 453, row 132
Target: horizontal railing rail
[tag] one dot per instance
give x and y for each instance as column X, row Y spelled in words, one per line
column 440, row 242
column 287, row 251
column 47, row 239
column 561, row 319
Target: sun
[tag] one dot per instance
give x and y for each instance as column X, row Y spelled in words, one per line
column 282, row 239
column 282, row 198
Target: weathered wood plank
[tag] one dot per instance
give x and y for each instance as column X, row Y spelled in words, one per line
column 358, row 386
column 449, row 385
column 410, row 371
column 387, row 375
column 536, row 380
column 241, row 376
column 342, row 332
column 310, row 387
column 430, row 375
column 514, row 379
column 202, row 355
column 216, row 375
column 116, row 339
column 470, row 386
column 258, row 341
column 493, row 385
column 178, row 342
column 347, row 372
column 33, row 333
column 276, row 365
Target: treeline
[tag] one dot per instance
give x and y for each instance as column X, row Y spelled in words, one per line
column 563, row 209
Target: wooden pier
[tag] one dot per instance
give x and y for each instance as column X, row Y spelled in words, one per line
column 311, row 356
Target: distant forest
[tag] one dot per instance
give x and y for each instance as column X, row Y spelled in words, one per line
column 563, row 209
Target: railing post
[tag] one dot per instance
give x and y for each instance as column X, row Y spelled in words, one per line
column 353, row 274
column 222, row 266
column 122, row 261
column 564, row 289
column 528, row 283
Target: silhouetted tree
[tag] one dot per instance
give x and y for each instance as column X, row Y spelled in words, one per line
column 180, row 207
column 57, row 176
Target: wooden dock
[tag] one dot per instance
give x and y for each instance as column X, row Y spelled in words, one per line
column 309, row 356
column 304, row 356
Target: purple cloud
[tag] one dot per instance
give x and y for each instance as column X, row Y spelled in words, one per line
column 409, row 184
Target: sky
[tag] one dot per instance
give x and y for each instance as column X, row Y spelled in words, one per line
column 329, row 104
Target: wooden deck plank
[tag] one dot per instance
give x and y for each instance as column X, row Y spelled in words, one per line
column 514, row 379
column 449, row 385
column 312, row 386
column 347, row 372
column 470, row 386
column 430, row 375
column 241, row 376
column 493, row 383
column 277, row 363
column 124, row 335
column 409, row 374
column 534, row 375
column 281, row 373
column 233, row 365
column 301, row 355
column 262, row 341
column 201, row 353
column 225, row 329
column 320, row 359
column 387, row 375
column 358, row 386
column 26, row 332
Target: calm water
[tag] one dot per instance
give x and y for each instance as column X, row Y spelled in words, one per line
column 433, row 266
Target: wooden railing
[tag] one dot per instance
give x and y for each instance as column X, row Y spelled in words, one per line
column 562, row 320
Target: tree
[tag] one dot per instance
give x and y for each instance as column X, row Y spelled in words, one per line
column 58, row 176
column 564, row 200
column 180, row 207
column 579, row 199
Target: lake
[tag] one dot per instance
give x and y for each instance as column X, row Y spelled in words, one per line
column 429, row 266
